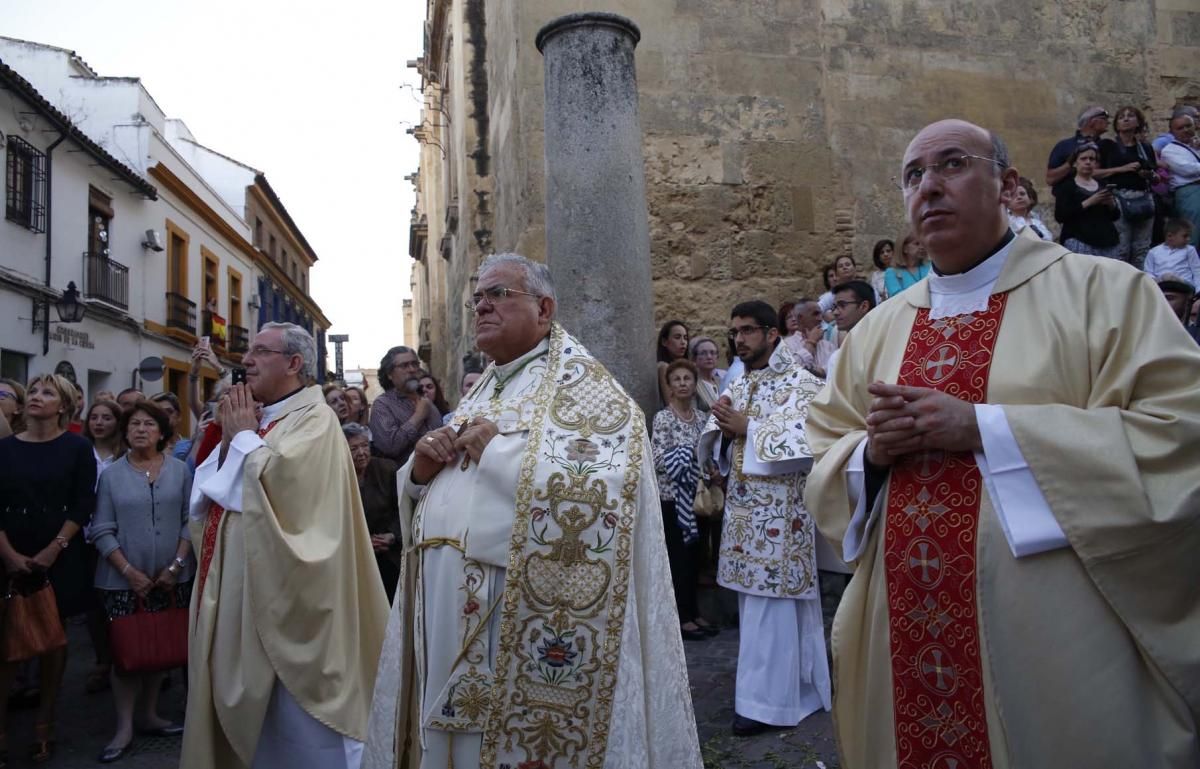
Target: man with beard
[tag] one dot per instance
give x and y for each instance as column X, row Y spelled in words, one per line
column 401, row 416
column 288, row 610
column 534, row 624
column 1007, row 452
column 756, row 435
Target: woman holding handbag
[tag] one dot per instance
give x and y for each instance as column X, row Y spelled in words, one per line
column 146, row 567
column 1128, row 164
column 47, row 482
column 674, row 438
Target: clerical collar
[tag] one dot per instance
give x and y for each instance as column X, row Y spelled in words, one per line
column 1004, row 241
column 272, row 411
column 505, row 371
column 983, row 274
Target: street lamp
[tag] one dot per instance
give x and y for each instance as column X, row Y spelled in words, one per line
column 70, row 309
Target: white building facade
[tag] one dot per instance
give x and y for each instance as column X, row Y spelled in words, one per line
column 180, row 261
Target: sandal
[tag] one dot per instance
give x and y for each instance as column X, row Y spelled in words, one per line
column 43, row 743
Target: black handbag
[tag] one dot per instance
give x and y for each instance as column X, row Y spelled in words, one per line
column 1137, row 209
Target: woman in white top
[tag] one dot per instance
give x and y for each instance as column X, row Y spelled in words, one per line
column 101, row 427
column 705, row 354
column 881, row 256
column 1021, row 213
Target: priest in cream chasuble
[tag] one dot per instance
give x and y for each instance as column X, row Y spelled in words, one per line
column 1007, row 452
column 756, row 436
column 288, row 612
column 535, row 625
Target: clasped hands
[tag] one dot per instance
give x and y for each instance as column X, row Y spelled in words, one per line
column 236, row 412
column 903, row 420
column 731, row 421
column 438, row 448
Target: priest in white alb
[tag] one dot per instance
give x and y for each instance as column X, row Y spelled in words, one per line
column 1007, row 450
column 288, row 610
column 534, row 625
column 768, row 557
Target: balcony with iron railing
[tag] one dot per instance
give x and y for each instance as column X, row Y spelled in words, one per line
column 105, row 280
column 239, row 340
column 181, row 313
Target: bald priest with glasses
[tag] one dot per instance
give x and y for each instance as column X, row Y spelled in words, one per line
column 534, row 624
column 1007, row 452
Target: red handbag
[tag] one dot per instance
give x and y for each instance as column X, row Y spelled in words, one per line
column 150, row 641
column 31, row 624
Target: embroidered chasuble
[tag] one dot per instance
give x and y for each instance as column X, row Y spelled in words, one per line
column 767, row 545
column 960, row 643
column 279, row 515
column 534, row 625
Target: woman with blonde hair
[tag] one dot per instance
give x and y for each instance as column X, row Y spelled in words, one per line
column 12, row 407
column 907, row 268
column 360, row 409
column 47, row 494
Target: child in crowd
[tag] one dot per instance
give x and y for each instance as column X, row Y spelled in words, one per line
column 1175, row 256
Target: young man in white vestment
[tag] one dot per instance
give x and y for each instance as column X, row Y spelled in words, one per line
column 534, row 625
column 768, row 550
column 288, row 610
column 1007, row 451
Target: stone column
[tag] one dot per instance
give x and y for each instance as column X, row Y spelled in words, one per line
column 597, row 234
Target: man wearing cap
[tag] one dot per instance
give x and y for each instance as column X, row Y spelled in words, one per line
column 1179, row 293
column 1007, row 452
column 1093, row 123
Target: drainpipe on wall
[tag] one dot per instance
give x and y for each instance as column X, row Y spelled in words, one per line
column 49, row 230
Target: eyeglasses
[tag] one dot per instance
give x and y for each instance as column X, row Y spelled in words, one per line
column 408, row 364
column 844, row 303
column 947, row 169
column 6, row 395
column 734, row 333
column 257, row 351
column 493, row 295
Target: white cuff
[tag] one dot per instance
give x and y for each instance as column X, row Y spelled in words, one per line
column 859, row 530
column 753, row 466
column 412, row 489
column 225, row 485
column 724, row 458
column 1028, row 523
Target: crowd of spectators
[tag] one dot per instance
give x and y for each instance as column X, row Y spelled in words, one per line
column 94, row 510
column 1116, row 195
column 100, row 517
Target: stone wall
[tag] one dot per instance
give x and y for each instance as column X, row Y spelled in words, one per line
column 773, row 128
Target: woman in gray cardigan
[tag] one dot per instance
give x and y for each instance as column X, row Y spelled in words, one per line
column 140, row 529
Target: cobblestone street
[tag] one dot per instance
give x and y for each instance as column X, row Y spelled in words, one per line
column 85, row 721
column 712, row 665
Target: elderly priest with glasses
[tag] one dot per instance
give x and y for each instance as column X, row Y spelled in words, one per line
column 288, row 610
column 1007, row 450
column 534, row 625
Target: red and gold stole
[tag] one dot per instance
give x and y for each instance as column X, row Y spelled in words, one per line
column 929, row 554
column 212, row 524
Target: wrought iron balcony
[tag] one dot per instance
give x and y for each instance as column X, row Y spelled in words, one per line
column 239, row 339
column 106, row 280
column 181, row 313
